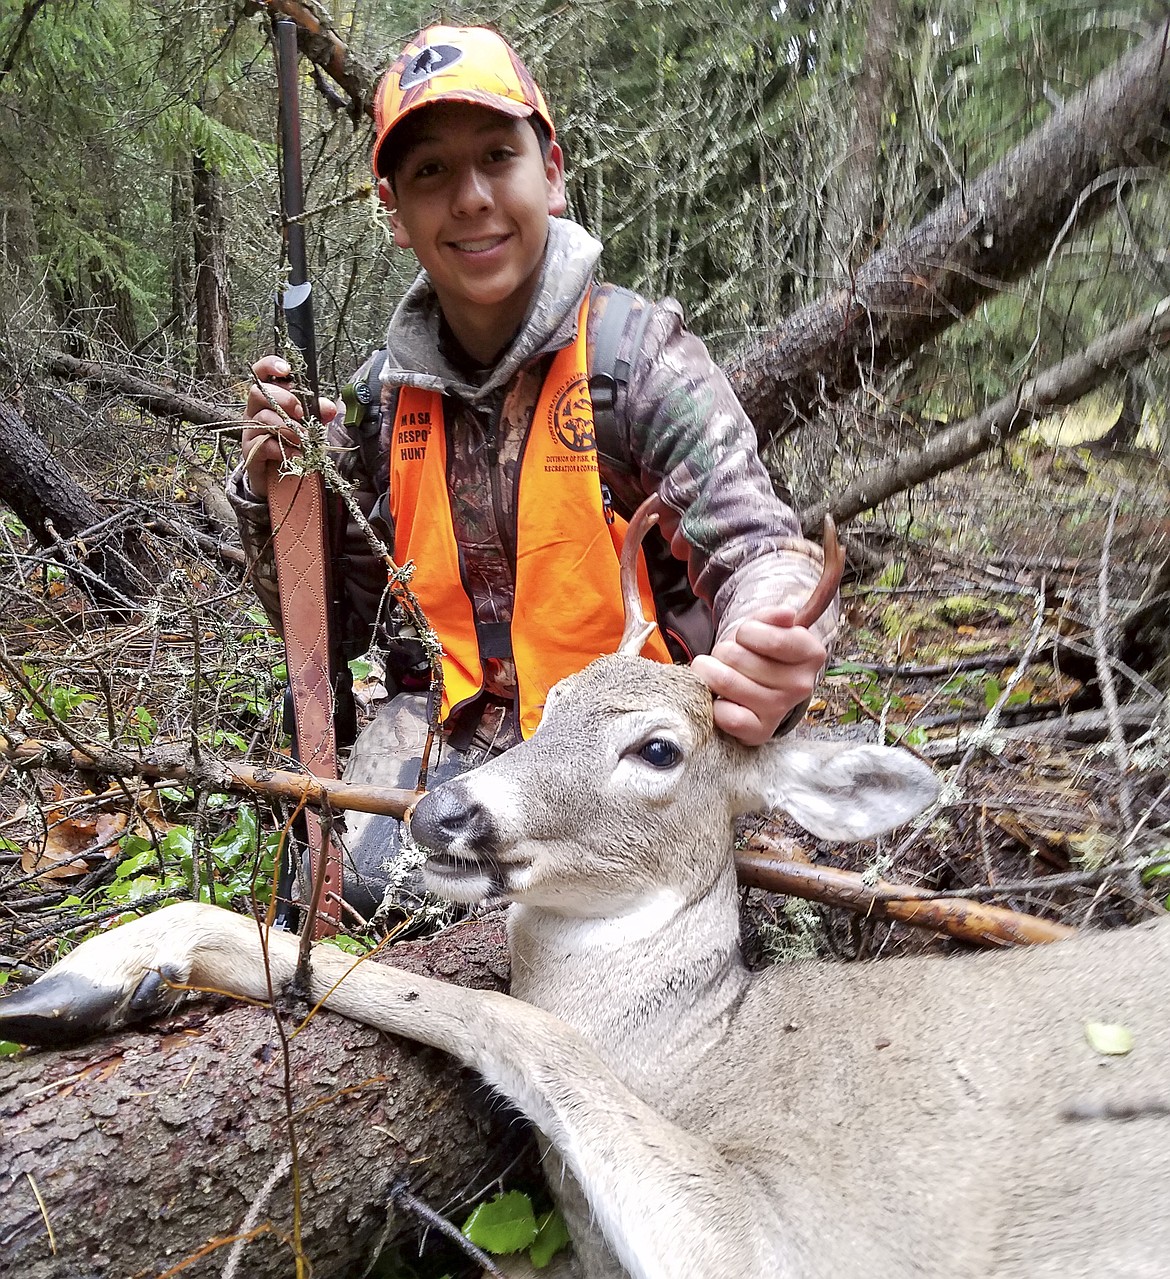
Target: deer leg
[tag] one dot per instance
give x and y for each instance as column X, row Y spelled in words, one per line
column 665, row 1200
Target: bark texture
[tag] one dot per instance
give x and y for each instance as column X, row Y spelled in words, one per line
column 988, row 233
column 145, row 1148
column 213, row 326
column 852, row 216
column 55, row 508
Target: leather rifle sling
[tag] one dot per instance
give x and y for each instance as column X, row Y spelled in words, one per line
column 298, row 509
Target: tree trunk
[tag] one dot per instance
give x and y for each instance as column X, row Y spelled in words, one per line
column 55, row 508
column 212, row 285
column 130, row 1155
column 1145, row 634
column 986, row 234
column 1124, row 432
column 182, row 246
column 852, row 216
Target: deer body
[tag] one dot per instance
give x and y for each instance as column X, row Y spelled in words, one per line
column 893, row 1119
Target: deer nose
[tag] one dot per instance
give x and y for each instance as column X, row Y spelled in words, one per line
column 449, row 816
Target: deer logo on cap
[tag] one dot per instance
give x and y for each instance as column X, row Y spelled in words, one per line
column 428, row 62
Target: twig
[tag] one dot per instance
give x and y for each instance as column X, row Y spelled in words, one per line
column 1047, row 883
column 990, row 723
column 880, row 721
column 98, row 917
column 290, row 1109
column 1105, row 679
column 759, row 865
column 909, row 670
column 402, row 1198
column 44, row 1213
column 236, row 779
column 246, row 1234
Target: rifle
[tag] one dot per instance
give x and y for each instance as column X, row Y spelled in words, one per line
column 297, row 504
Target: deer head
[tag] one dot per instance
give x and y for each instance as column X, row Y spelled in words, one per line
column 628, row 788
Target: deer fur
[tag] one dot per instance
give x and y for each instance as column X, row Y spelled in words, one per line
column 899, row 1118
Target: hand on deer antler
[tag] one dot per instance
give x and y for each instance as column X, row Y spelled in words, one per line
column 771, row 661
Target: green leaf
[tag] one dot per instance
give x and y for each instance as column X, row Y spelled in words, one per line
column 144, row 724
column 138, row 855
column 506, row 1224
column 1160, row 870
column 7, row 1048
column 552, row 1235
column 991, row 692
column 131, row 890
column 1108, row 1039
column 178, row 843
column 915, row 736
column 350, row 945
column 360, row 668
column 239, row 840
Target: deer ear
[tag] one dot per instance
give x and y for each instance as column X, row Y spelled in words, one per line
column 837, row 790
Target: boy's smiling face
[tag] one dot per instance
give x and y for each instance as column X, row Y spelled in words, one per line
column 473, row 196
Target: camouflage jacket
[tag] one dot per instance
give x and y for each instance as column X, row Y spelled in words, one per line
column 689, row 440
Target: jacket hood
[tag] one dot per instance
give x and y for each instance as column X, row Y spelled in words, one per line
column 412, row 341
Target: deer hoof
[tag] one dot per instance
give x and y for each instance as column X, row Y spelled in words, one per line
column 65, row 1008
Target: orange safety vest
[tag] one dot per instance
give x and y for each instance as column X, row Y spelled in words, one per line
column 567, row 606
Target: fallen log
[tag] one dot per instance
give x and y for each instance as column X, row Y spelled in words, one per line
column 995, row 228
column 149, row 1153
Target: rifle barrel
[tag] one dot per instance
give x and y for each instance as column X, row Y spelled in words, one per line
column 297, row 299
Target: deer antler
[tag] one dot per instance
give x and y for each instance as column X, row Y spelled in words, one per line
column 826, row 588
column 638, row 630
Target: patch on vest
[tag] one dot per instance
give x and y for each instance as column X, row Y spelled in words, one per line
column 410, row 439
column 570, row 420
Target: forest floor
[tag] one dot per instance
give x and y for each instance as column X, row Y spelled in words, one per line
column 975, row 633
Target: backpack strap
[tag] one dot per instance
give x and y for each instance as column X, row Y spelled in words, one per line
column 363, row 408
column 608, row 373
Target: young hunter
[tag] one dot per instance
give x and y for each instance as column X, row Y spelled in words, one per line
column 475, row 444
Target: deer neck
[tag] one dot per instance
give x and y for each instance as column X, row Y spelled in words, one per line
column 652, row 989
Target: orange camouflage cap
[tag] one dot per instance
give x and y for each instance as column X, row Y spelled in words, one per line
column 454, row 64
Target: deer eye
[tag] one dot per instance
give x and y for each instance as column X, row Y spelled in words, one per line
column 659, row 753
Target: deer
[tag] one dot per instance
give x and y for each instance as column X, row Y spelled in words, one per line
column 907, row 1117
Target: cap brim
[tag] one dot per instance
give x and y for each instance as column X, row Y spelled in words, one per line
column 475, row 97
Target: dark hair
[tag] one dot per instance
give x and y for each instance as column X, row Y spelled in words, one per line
column 543, row 136
column 392, row 147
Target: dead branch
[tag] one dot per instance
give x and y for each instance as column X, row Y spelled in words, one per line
column 155, row 396
column 1047, row 883
column 212, row 775
column 763, row 865
column 1059, row 385
column 318, row 40
column 879, row 899
column 1083, row 726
